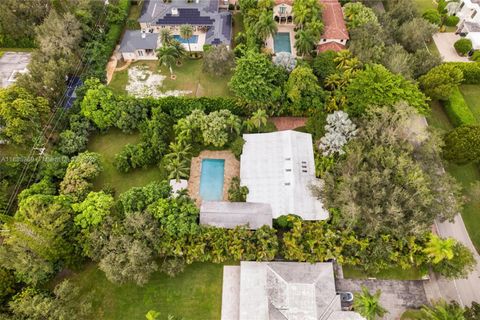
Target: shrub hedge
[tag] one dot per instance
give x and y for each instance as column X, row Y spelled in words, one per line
column 457, row 109
column 451, row 21
column 471, row 71
column 463, row 46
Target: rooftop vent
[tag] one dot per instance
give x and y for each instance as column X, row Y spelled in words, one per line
column 174, row 12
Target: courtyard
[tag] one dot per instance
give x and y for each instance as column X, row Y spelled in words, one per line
column 11, row 64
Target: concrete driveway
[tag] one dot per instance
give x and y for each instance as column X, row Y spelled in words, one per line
column 444, row 42
column 397, row 296
column 12, row 63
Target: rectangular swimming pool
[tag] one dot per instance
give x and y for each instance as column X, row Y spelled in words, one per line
column 193, row 39
column 281, row 42
column 211, row 179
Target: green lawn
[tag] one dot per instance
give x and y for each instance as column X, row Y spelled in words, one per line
column 190, row 77
column 394, row 273
column 471, row 93
column 108, row 145
column 412, row 315
column 423, row 5
column 195, row 294
column 466, row 174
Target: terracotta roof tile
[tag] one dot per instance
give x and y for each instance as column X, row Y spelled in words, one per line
column 335, row 27
column 334, row 46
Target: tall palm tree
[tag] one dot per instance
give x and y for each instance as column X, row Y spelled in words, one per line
column 368, row 305
column 315, row 27
column 167, row 56
column 166, row 37
column 259, row 118
column 443, row 311
column 179, row 48
column 304, row 42
column 342, row 57
column 177, row 168
column 179, row 151
column 186, row 32
column 300, row 15
column 265, row 26
column 439, row 249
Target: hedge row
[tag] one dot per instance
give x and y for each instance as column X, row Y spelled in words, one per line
column 471, row 71
column 457, row 109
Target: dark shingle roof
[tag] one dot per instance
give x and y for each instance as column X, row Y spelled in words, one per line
column 132, row 40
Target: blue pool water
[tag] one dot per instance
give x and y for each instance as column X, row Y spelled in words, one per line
column 281, row 42
column 193, row 39
column 211, row 179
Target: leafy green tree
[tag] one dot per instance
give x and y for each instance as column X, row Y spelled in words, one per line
column 303, row 91
column 81, row 170
column 406, row 193
column 440, row 81
column 439, row 249
column 93, row 209
column 22, row 115
column 139, row 198
column 186, row 32
column 166, row 37
column 368, row 305
column 265, row 26
column 415, row 33
column 460, row 266
column 256, row 80
column 324, row 65
column 99, row 104
column 357, row 14
column 423, row 60
column 67, row 302
column 367, row 42
column 441, row 310
column 377, row 86
column 462, row 144
column 59, row 35
column 71, row 142
column 473, row 312
column 398, row 60
column 7, row 285
column 258, row 120
column 219, row 60
column 237, row 193
column 432, row 16
column 177, row 168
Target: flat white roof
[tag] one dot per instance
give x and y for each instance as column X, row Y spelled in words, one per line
column 278, row 168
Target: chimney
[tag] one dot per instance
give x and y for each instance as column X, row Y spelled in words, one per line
column 174, row 12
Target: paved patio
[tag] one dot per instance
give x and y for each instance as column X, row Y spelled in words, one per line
column 10, row 64
column 397, row 296
column 231, row 293
column 232, row 169
column 444, row 42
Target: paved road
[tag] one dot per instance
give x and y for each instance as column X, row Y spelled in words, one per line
column 397, row 296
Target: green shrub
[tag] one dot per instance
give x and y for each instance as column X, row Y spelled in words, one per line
column 462, row 144
column 475, row 56
column 471, row 71
column 451, row 21
column 432, row 16
column 463, row 46
column 285, row 222
column 237, row 147
column 133, row 24
column 457, row 109
column 237, row 193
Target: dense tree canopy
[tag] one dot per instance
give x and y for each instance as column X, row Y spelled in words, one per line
column 440, row 81
column 303, row 91
column 462, row 144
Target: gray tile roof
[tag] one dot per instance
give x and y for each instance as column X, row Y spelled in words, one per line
column 203, row 13
column 231, row 214
column 132, row 40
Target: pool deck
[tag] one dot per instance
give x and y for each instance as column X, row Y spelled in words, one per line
column 232, row 169
column 283, row 28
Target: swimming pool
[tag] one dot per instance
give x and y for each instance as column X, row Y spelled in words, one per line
column 193, row 39
column 281, row 42
column 211, row 179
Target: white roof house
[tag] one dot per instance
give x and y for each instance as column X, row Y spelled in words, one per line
column 278, row 168
column 282, row 291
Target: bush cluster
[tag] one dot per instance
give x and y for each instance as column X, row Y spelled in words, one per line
column 457, row 109
column 463, row 46
column 451, row 21
column 471, row 71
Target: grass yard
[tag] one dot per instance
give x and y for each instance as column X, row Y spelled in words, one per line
column 471, row 93
column 195, row 294
column 394, row 273
column 466, row 174
column 412, row 315
column 190, row 77
column 108, row 145
column 423, row 5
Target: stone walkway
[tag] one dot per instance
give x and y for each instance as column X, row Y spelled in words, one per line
column 444, row 42
column 232, row 169
column 288, row 123
column 111, row 65
column 397, row 296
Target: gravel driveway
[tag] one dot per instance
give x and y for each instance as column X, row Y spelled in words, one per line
column 397, row 296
